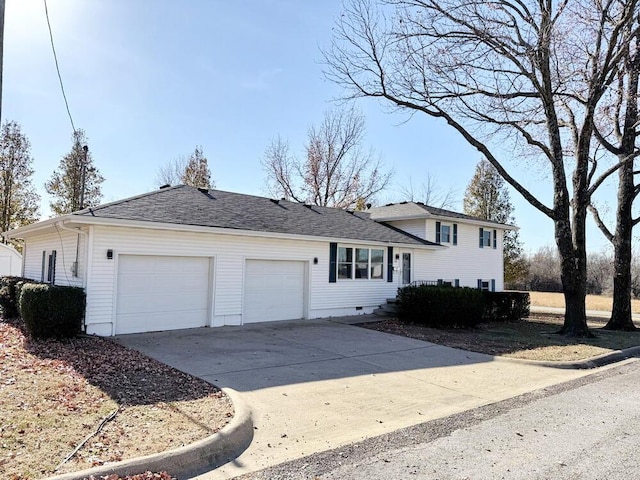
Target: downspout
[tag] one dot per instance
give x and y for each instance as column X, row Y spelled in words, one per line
column 79, row 232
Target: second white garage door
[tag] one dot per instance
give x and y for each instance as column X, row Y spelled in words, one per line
column 161, row 293
column 273, row 290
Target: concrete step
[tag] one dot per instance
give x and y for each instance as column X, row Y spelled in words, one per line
column 389, row 308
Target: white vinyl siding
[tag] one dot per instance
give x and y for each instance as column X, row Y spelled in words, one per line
column 415, row 227
column 465, row 261
column 230, row 253
column 273, row 290
column 65, row 244
column 161, row 293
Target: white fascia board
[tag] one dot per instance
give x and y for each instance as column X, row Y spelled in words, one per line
column 481, row 223
column 27, row 230
column 428, row 216
column 394, row 218
column 80, row 220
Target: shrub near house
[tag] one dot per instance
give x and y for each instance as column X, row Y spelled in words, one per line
column 47, row 310
column 444, row 306
column 9, row 295
column 436, row 306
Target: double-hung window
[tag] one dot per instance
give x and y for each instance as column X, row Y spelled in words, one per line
column 486, row 236
column 360, row 263
column 447, row 233
column 345, row 263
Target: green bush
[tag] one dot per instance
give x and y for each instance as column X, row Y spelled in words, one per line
column 52, row 311
column 9, row 295
column 439, row 306
column 505, row 306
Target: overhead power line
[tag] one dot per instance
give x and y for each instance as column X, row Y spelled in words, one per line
column 55, row 57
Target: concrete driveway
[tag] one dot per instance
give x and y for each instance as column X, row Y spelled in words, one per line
column 318, row 384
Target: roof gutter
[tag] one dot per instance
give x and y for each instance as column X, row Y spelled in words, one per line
column 84, row 220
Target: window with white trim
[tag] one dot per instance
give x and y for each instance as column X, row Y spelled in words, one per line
column 486, row 238
column 360, row 263
column 447, row 233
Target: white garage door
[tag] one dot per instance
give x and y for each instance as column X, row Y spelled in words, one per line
column 273, row 290
column 161, row 293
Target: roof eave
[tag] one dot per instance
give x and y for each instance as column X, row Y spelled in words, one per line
column 80, row 220
column 471, row 221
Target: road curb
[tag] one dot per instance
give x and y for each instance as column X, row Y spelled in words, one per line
column 197, row 457
column 588, row 363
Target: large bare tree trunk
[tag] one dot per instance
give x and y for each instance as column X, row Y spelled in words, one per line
column 621, row 312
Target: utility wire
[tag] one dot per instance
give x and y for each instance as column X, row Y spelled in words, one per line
column 55, row 57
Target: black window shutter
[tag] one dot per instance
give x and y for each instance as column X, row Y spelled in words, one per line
column 333, row 257
column 389, row 264
column 481, row 237
column 456, row 282
column 495, row 239
column 493, row 285
column 455, row 233
column 51, row 274
column 44, row 262
column 480, row 284
column 438, row 232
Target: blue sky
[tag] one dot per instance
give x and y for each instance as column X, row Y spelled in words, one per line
column 148, row 80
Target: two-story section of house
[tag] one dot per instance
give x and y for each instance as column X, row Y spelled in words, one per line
column 473, row 256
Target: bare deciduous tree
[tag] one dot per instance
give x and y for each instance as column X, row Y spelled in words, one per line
column 429, row 192
column 171, row 172
column 519, row 76
column 335, row 172
column 616, row 131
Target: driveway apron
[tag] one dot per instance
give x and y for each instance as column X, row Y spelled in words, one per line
column 314, row 385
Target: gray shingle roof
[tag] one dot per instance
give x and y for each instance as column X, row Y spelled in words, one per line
column 419, row 210
column 185, row 205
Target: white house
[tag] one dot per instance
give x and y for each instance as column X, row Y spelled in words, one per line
column 182, row 257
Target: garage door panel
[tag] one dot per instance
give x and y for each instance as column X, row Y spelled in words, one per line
column 142, row 303
column 161, row 293
column 274, row 290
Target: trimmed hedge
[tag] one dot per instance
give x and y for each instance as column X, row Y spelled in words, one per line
column 438, row 306
column 51, row 311
column 505, row 306
column 10, row 294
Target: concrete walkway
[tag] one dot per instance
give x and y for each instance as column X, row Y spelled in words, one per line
column 604, row 315
column 314, row 385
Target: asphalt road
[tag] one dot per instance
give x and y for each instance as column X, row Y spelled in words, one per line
column 584, row 429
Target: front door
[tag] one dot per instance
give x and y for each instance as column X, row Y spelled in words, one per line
column 406, row 268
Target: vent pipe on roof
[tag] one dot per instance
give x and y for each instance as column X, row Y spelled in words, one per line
column 274, row 200
column 162, row 187
column 203, row 190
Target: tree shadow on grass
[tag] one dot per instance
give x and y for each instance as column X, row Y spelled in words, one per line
column 514, row 337
column 127, row 376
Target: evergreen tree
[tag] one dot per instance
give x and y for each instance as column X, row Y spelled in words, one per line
column 193, row 171
column 487, row 197
column 18, row 198
column 66, row 183
column 196, row 172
